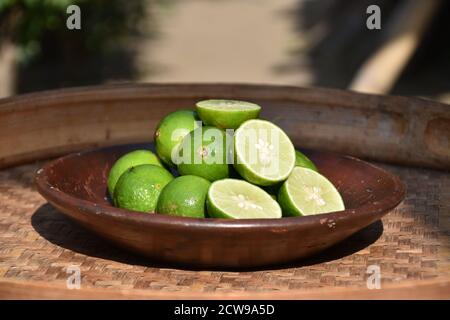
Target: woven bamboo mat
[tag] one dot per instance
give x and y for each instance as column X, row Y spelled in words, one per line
column 411, row 243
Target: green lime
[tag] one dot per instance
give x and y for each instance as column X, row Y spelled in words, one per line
column 139, row 187
column 184, row 196
column 226, row 114
column 170, row 132
column 238, row 199
column 264, row 154
column 131, row 159
column 307, row 192
column 303, row 161
column 203, row 153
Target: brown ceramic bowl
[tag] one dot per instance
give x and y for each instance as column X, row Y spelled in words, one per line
column 76, row 185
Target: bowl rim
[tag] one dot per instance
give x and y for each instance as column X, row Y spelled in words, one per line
column 62, row 199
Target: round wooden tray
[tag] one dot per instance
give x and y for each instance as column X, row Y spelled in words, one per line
column 411, row 245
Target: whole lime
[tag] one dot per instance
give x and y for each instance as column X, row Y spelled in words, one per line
column 170, row 132
column 131, row 159
column 303, row 161
column 184, row 196
column 204, row 153
column 139, row 187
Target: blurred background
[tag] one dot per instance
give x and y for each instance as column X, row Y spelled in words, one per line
column 297, row 42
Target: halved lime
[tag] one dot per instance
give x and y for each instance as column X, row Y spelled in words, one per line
column 264, row 154
column 226, row 114
column 238, row 199
column 307, row 192
column 131, row 159
column 171, row 130
column 303, row 161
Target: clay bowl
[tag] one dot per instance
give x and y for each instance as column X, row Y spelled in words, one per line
column 76, row 185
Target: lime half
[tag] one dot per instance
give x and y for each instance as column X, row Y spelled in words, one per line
column 307, row 192
column 238, row 199
column 226, row 114
column 264, row 154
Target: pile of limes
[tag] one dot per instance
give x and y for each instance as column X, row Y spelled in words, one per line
column 230, row 165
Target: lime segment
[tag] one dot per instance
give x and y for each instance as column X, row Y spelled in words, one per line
column 238, row 199
column 264, row 154
column 226, row 114
column 307, row 192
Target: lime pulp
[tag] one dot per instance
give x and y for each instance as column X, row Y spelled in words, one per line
column 238, row 199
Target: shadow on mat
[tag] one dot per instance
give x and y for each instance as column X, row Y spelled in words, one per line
column 66, row 233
